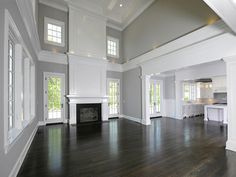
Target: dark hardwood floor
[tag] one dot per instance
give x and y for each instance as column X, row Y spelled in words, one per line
column 167, row 148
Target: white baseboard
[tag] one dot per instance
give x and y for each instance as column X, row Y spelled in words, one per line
column 21, row 158
column 231, row 145
column 135, row 119
column 41, row 123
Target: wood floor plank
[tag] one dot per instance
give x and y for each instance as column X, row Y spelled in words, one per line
column 121, row 148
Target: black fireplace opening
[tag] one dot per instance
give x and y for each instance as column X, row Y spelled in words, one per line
column 88, row 113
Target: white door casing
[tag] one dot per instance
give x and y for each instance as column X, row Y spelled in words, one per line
column 113, row 84
column 157, row 112
column 61, row 118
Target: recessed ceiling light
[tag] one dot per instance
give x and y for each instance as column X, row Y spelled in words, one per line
column 121, row 5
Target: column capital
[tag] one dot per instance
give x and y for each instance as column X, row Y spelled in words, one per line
column 230, row 59
column 145, row 76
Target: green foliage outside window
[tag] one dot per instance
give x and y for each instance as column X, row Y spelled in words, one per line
column 54, row 93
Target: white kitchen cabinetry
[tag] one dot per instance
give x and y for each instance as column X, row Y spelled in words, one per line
column 190, row 110
column 216, row 113
column 219, row 84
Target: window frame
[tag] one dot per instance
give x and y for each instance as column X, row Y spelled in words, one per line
column 61, row 24
column 192, row 91
column 117, row 41
column 12, row 85
column 12, row 134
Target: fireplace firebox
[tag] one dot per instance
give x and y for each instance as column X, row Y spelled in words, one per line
column 88, row 113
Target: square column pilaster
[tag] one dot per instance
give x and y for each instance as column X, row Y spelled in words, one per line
column 231, row 100
column 145, row 100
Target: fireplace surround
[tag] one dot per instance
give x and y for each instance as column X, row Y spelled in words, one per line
column 88, row 113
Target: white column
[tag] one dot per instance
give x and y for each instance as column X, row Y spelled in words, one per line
column 145, row 100
column 178, row 103
column 105, row 109
column 72, row 109
column 231, row 99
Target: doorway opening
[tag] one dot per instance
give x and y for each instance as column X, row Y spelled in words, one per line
column 54, row 101
column 113, row 90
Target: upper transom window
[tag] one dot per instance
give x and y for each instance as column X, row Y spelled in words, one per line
column 54, row 32
column 112, row 47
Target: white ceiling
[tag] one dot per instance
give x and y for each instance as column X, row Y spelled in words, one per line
column 118, row 17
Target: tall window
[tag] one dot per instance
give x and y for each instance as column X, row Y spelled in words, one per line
column 11, row 85
column 155, row 97
column 112, row 47
column 54, row 32
column 17, row 83
column 190, row 91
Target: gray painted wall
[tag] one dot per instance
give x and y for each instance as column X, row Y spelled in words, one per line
column 55, row 68
column 46, row 11
column 116, row 34
column 132, row 93
column 7, row 161
column 117, row 75
column 164, row 21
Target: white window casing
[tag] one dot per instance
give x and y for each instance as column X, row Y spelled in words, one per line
column 113, row 47
column 16, row 83
column 54, row 32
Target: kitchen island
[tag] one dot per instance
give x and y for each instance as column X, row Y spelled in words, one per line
column 216, row 112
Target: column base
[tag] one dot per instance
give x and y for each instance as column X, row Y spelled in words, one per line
column 231, row 145
column 146, row 122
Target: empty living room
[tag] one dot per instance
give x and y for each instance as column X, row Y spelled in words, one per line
column 118, row 88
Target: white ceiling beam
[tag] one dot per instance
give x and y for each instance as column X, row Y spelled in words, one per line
column 226, row 9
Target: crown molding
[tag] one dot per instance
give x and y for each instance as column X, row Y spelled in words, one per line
column 114, row 67
column 114, row 26
column 87, row 6
column 51, row 57
column 26, row 11
column 55, row 5
column 198, row 36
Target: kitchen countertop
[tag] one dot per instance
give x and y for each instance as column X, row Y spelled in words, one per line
column 216, row 105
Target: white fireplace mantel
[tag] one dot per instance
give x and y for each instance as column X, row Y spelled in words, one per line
column 76, row 99
column 81, row 99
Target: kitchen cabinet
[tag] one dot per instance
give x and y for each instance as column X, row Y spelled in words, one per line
column 216, row 113
column 219, row 84
column 192, row 109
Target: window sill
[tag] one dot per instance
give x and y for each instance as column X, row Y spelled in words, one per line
column 113, row 56
column 14, row 134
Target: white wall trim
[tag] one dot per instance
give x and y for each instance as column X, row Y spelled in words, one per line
column 54, row 5
column 231, row 145
column 26, row 11
column 47, row 56
column 41, row 123
column 114, row 26
column 135, row 119
column 190, row 40
column 114, row 67
column 21, row 158
column 225, row 9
